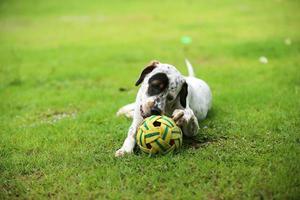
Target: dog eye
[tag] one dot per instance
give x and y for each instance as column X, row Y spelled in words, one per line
column 170, row 97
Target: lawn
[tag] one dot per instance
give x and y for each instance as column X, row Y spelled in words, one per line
column 67, row 66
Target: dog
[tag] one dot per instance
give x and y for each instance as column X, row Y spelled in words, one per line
column 164, row 91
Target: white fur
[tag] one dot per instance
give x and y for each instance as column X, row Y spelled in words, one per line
column 127, row 110
column 198, row 103
column 190, row 68
column 199, row 97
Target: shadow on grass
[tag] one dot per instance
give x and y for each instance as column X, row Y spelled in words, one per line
column 197, row 143
column 203, row 139
column 210, row 115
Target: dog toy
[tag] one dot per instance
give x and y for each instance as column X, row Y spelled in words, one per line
column 159, row 135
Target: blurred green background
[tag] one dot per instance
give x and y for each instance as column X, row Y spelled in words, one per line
column 67, row 66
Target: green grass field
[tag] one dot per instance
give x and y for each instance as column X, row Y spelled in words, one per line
column 62, row 64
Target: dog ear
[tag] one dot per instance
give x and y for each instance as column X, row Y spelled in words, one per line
column 146, row 71
column 183, row 94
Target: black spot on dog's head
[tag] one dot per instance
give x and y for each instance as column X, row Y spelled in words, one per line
column 157, row 84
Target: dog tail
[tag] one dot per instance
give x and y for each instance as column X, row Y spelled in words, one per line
column 190, row 68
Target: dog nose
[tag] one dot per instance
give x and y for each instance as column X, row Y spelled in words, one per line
column 155, row 111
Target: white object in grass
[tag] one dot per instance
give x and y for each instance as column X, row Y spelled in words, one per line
column 287, row 41
column 263, row 60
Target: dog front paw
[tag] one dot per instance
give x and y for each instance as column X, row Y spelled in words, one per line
column 178, row 117
column 122, row 152
column 182, row 117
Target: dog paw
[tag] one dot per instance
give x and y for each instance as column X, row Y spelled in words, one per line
column 178, row 117
column 122, row 152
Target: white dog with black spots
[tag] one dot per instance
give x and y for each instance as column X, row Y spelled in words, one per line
column 164, row 91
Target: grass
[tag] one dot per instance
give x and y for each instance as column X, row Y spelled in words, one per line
column 62, row 64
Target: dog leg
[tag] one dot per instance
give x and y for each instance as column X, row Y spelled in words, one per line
column 127, row 110
column 187, row 121
column 129, row 142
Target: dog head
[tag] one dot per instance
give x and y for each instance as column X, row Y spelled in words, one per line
column 163, row 88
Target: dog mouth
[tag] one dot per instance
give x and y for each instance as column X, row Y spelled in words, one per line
column 143, row 114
